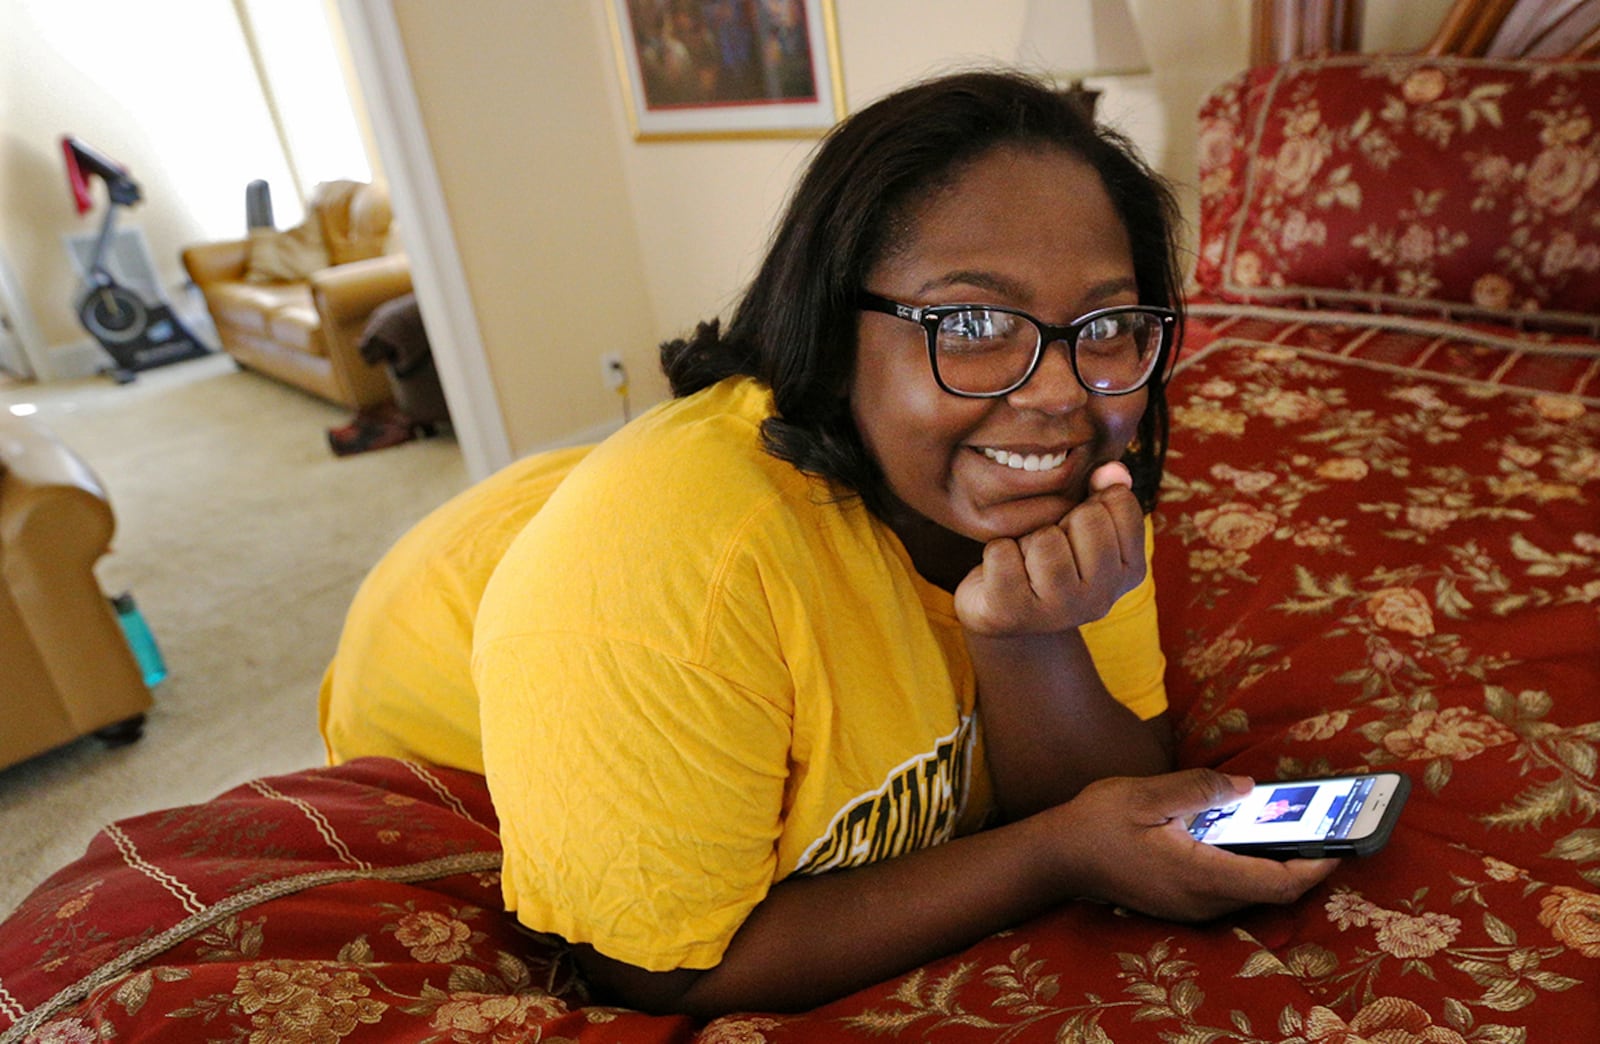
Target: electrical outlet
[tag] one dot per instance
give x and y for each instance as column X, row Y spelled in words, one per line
column 612, row 371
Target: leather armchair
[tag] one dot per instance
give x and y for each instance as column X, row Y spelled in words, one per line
column 306, row 329
column 68, row 670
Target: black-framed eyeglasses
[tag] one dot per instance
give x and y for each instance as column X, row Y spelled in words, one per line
column 985, row 352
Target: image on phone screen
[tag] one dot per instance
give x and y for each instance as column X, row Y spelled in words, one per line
column 1342, row 815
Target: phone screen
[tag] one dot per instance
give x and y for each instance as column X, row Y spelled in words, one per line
column 1297, row 812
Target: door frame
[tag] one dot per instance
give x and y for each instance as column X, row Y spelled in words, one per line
column 24, row 333
column 377, row 51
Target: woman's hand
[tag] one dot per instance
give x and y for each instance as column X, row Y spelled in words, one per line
column 1125, row 841
column 1061, row 576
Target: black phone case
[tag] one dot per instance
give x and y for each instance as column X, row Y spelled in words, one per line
column 1337, row 846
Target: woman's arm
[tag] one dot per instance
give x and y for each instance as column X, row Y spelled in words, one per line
column 1050, row 727
column 814, row 939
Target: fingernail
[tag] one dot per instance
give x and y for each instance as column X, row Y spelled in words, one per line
column 1105, row 476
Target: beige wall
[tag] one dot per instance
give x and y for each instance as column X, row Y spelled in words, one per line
column 577, row 240
column 516, row 106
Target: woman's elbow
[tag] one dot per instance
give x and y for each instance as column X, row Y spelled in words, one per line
column 625, row 985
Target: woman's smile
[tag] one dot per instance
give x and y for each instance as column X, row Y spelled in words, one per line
column 1001, row 472
column 1019, row 460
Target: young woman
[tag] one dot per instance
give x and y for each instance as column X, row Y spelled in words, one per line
column 846, row 656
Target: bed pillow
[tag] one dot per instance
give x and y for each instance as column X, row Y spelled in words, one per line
column 1401, row 183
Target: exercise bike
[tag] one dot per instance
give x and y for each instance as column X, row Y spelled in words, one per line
column 138, row 334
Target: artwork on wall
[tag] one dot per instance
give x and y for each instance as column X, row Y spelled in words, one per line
column 727, row 68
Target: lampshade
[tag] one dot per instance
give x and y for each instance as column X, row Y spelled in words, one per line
column 1075, row 39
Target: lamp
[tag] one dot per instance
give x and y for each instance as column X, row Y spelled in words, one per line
column 1076, row 39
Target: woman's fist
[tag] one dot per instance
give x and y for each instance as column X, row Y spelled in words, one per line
column 1064, row 575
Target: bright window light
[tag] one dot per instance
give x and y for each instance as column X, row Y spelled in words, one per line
column 306, row 77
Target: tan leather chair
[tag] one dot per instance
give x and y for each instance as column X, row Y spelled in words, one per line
column 65, row 666
column 299, row 317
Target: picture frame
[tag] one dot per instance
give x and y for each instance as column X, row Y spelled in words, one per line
column 706, row 69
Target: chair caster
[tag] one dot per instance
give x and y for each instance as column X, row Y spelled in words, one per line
column 122, row 733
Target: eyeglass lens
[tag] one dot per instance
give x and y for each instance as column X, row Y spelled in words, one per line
column 981, row 350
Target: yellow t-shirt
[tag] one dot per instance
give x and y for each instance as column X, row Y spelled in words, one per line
column 400, row 684
column 699, row 672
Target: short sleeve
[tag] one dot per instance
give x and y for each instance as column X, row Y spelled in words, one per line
column 640, row 796
column 1126, row 645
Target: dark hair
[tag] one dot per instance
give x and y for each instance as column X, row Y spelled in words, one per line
column 795, row 328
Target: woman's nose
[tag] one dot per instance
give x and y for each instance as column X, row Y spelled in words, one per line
column 1053, row 388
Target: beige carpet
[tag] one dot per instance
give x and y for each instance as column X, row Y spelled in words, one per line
column 242, row 538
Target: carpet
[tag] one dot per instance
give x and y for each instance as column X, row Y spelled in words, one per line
column 242, row 538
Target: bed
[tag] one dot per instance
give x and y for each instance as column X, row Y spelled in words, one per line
column 1378, row 547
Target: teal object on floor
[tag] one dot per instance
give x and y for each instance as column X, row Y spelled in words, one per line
column 140, row 639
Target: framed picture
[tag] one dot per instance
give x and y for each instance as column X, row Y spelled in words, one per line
column 727, row 68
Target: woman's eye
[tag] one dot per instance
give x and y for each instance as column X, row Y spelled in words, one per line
column 1106, row 328
column 977, row 325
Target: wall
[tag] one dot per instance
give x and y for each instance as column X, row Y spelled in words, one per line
column 577, row 240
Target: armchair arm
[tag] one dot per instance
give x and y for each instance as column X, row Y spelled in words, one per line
column 55, row 524
column 40, row 477
column 214, row 262
column 348, row 293
column 345, row 297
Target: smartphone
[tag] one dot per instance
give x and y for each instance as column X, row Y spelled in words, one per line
column 1308, row 818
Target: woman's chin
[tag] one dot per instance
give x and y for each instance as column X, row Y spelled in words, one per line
column 1017, row 518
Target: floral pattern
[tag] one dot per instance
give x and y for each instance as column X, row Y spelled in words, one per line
column 1402, row 183
column 1373, row 551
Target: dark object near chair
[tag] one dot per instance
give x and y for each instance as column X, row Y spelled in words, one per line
column 122, row 733
column 396, row 340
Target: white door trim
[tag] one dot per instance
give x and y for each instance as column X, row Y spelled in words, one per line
column 378, row 53
column 24, row 337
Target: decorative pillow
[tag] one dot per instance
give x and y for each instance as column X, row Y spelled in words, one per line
column 286, row 257
column 1405, row 183
column 1223, row 168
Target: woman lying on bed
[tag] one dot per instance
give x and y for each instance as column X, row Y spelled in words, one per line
column 846, row 656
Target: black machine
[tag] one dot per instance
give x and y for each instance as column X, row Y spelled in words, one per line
column 138, row 334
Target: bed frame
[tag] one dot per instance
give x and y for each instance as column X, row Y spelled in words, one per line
column 1285, row 29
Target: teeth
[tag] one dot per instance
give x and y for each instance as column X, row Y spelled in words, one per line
column 1030, row 462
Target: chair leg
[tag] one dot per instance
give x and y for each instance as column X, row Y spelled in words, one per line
column 122, row 733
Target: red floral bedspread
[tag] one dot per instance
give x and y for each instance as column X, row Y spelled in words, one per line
column 1375, row 550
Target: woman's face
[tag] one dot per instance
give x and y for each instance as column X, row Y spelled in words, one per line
column 1028, row 229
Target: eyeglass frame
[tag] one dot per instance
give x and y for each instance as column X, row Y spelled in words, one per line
column 930, row 318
